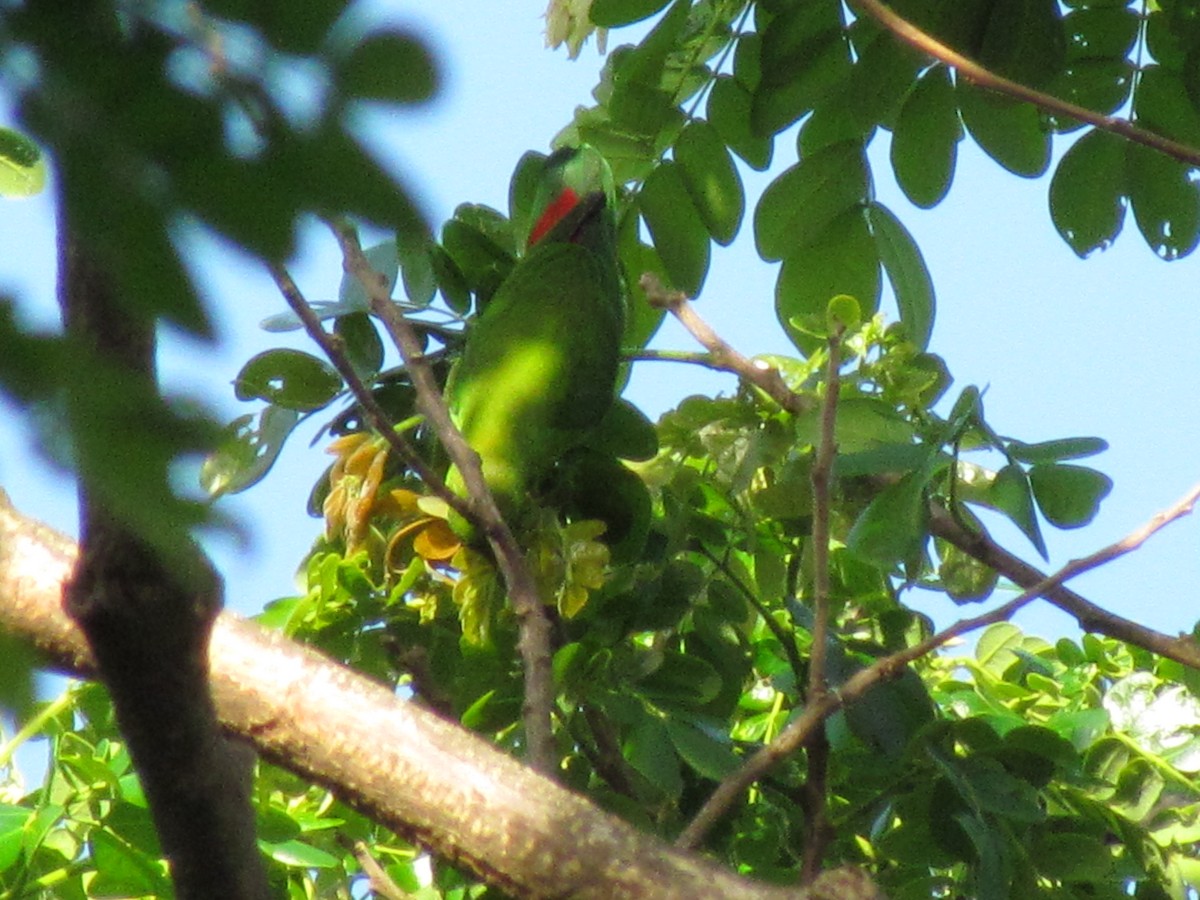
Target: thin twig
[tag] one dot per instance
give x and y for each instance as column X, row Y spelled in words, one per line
column 480, row 507
column 761, row 375
column 889, row 667
column 380, row 882
column 1181, row 649
column 817, row 831
column 985, row 78
column 333, row 349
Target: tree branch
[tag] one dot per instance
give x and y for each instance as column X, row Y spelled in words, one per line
column 722, row 356
column 523, row 594
column 147, row 616
column 910, row 34
column 427, row 779
column 379, row 419
column 817, row 827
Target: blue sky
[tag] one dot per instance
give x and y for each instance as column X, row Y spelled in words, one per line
column 1109, row 346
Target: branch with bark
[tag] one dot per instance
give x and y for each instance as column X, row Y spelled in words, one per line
column 480, row 506
column 406, row 768
column 146, row 612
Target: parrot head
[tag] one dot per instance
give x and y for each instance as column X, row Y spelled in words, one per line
column 574, row 197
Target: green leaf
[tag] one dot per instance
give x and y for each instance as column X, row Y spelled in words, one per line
column 709, row 755
column 1071, row 857
column 799, row 206
column 1024, row 41
column 385, row 259
column 1161, row 103
column 12, row 832
column 676, row 227
column 1068, row 496
column 1102, row 33
column 729, row 112
column 393, row 66
column 1057, row 450
column 121, row 870
column 965, row 578
column 1102, row 85
column 289, row 378
column 649, row 749
column 681, row 679
column 615, row 13
column 925, row 141
column 414, row 254
column 1165, row 199
column 804, row 55
column 842, row 260
column 906, row 271
column 361, row 343
column 294, row 28
column 246, row 452
column 299, row 855
column 894, row 526
column 1009, row 131
column 711, row 179
column 22, row 165
column 1011, row 494
column 1086, row 193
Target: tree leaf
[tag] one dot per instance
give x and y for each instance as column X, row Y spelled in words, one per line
column 1056, row 450
column 1024, row 41
column 799, row 205
column 22, row 165
column 842, row 260
column 615, row 13
column 1009, row 131
column 1161, row 103
column 894, row 525
column 729, row 112
column 289, row 378
column 1068, row 496
column 711, row 180
column 706, row 753
column 925, row 141
column 1165, row 200
column 393, row 66
column 906, row 272
column 965, row 578
column 247, row 452
column 1011, row 494
column 801, row 62
column 1087, row 200
column 675, row 225
column 361, row 342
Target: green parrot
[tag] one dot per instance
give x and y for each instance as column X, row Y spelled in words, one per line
column 539, row 367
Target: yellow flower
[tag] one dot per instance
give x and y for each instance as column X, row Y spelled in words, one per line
column 354, row 483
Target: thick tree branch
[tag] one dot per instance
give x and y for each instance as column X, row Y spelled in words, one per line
column 147, row 619
column 985, row 78
column 532, row 620
column 423, row 777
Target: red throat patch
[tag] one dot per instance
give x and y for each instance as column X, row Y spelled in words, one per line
column 558, row 208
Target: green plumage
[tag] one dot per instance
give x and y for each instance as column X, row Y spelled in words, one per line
column 539, row 367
